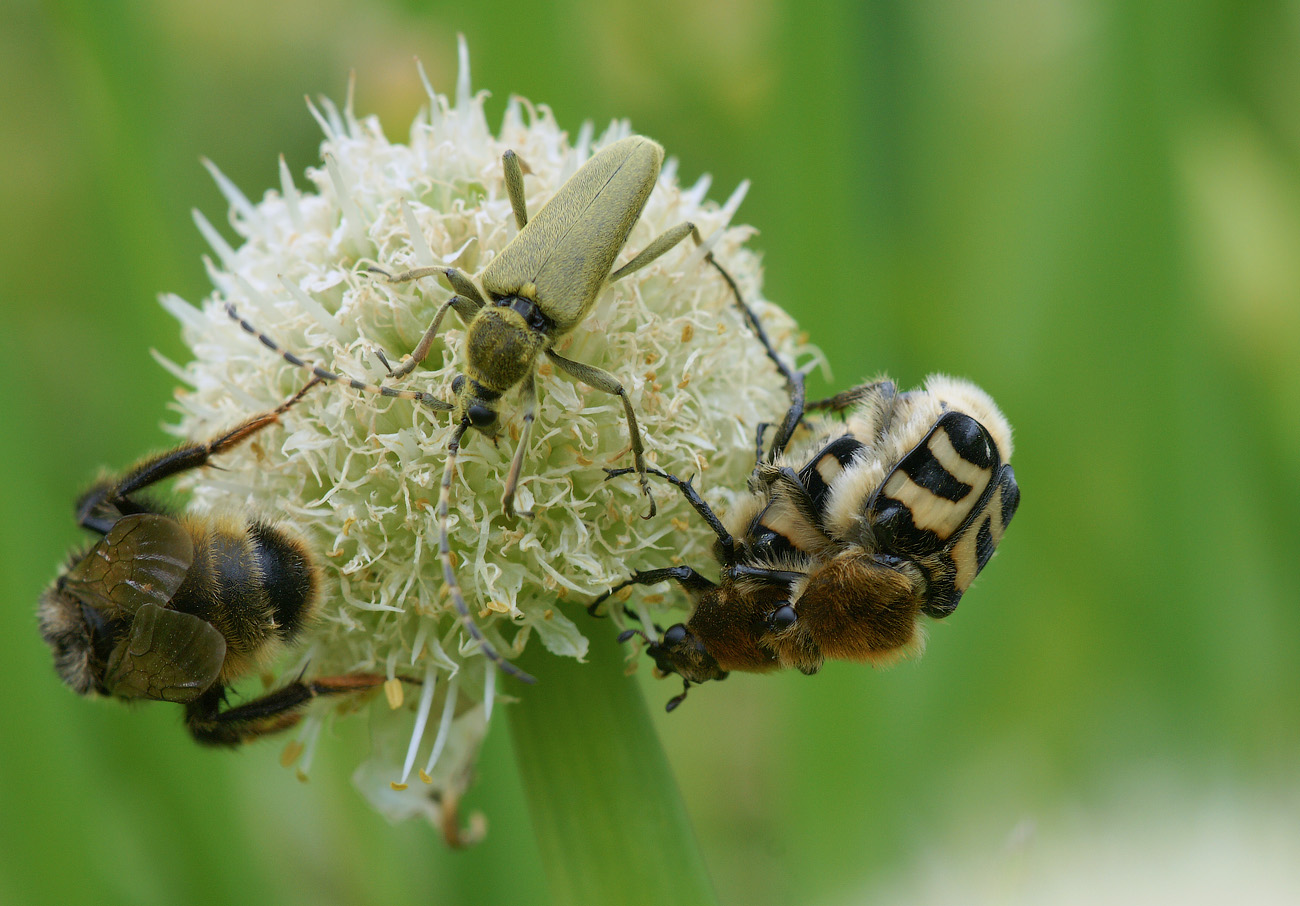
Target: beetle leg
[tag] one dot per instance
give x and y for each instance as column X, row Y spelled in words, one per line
column 794, row 379
column 664, row 242
column 466, row 307
column 695, row 500
column 512, row 480
column 449, row 571
column 417, row 355
column 515, row 187
column 689, row 579
column 603, row 380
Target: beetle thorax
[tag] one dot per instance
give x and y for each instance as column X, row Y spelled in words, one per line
column 501, row 348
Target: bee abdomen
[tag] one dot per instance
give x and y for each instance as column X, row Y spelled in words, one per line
column 288, row 577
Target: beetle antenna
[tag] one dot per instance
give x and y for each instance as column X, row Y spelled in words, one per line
column 449, row 573
column 427, row 398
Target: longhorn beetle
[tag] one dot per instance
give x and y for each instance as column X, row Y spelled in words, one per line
column 537, row 290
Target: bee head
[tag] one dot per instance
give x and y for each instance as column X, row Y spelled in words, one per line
column 74, row 632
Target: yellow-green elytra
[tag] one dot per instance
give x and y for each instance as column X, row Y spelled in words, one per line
column 543, row 284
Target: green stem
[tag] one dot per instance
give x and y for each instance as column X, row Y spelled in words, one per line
column 609, row 820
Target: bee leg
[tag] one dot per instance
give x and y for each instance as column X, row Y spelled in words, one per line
column 209, row 724
column 694, row 499
column 603, row 380
column 688, row 578
column 113, row 496
column 516, row 464
column 793, row 415
column 449, row 572
column 763, row 574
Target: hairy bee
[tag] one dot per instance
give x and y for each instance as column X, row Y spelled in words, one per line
column 842, row 546
column 176, row 607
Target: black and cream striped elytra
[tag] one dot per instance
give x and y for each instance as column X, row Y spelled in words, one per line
column 843, row 545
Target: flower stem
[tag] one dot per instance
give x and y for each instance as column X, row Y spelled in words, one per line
column 610, row 823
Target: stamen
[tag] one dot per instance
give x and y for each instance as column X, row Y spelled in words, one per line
column 463, row 90
column 421, row 718
column 330, row 136
column 310, row 735
column 489, row 694
column 290, row 194
column 237, row 199
column 444, row 725
column 214, row 239
column 352, row 219
column 315, row 309
column 420, row 249
column 435, row 99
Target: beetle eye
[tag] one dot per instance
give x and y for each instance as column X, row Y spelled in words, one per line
column 457, row 383
column 782, row 618
column 675, row 634
column 480, row 416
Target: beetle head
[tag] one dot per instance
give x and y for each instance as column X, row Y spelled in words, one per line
column 501, row 353
column 680, row 651
column 475, row 404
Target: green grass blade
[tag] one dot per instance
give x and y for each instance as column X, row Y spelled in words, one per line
column 610, row 823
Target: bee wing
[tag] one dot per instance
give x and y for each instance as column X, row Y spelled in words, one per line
column 142, row 560
column 945, row 506
column 169, row 656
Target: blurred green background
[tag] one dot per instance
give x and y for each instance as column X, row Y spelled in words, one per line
column 1090, row 208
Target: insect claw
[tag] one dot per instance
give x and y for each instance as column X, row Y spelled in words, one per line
column 508, row 508
column 677, row 699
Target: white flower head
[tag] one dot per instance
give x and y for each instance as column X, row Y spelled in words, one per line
column 357, row 474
